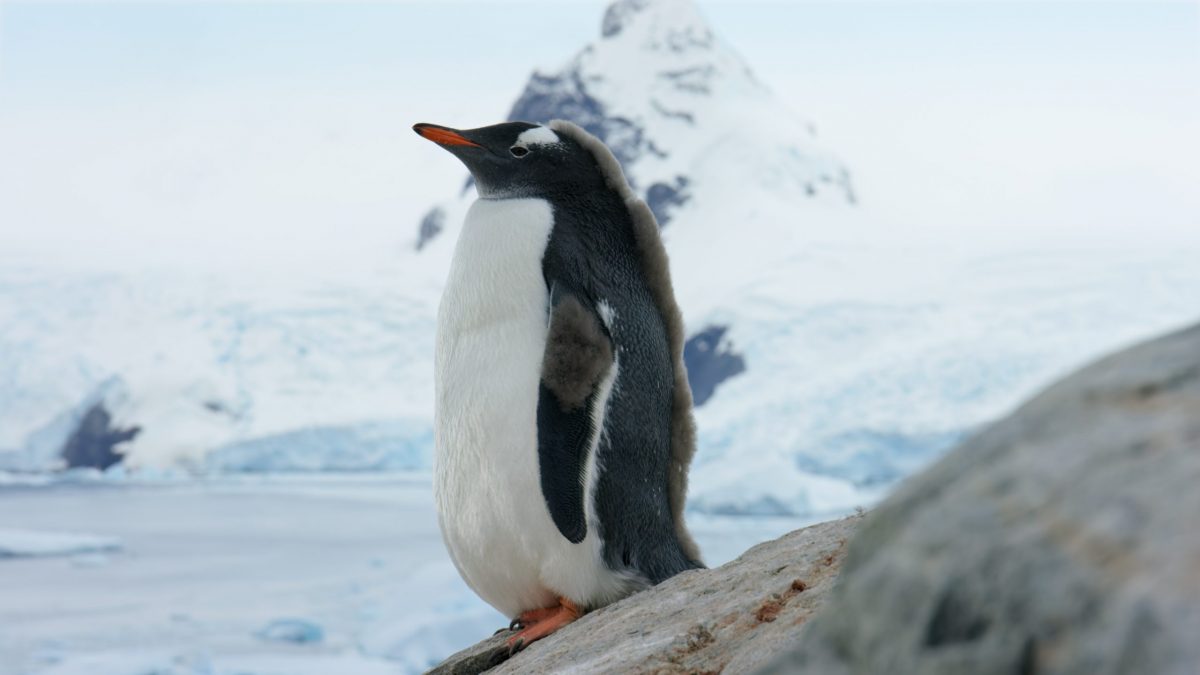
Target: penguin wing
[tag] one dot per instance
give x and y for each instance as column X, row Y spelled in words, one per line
column 578, row 355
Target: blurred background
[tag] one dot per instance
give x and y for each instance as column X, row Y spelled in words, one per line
column 222, row 247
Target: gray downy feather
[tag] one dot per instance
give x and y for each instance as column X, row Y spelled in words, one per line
column 577, row 354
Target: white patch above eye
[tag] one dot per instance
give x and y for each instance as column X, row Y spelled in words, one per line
column 538, row 136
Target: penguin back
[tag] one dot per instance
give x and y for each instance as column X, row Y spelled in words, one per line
column 655, row 268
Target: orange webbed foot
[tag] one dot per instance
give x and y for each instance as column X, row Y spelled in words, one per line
column 526, row 619
column 538, row 623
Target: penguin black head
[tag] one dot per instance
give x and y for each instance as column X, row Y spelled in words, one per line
column 518, row 159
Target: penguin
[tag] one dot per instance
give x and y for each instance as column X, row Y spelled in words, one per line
column 563, row 416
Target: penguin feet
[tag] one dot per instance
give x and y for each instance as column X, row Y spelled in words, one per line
column 538, row 623
column 531, row 617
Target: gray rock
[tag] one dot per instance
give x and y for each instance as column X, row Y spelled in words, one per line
column 710, row 360
column 94, row 441
column 431, row 226
column 664, row 198
column 731, row 619
column 1063, row 539
column 477, row 658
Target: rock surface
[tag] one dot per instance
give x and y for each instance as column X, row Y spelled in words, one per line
column 1063, row 539
column 731, row 619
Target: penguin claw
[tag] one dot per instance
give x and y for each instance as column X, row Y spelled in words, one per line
column 538, row 623
column 516, row 624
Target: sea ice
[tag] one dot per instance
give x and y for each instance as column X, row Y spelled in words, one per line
column 15, row 543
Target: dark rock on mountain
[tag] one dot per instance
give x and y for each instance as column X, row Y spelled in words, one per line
column 710, row 361
column 663, row 198
column 92, row 443
column 431, row 226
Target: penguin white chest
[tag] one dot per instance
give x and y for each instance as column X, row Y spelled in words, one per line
column 492, row 327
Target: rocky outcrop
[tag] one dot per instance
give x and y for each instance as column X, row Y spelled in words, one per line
column 710, row 360
column 94, row 441
column 734, row 618
column 1063, row 539
column 1060, row 540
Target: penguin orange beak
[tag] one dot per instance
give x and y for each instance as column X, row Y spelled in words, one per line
column 443, row 135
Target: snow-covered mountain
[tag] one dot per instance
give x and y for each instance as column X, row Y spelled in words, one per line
column 711, row 150
column 721, row 162
column 676, row 106
column 830, row 356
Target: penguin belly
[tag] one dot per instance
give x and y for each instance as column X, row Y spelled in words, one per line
column 491, row 337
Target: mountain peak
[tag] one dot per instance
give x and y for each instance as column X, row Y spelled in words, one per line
column 675, row 25
column 683, row 114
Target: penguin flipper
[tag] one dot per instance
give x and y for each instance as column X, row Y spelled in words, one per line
column 578, row 355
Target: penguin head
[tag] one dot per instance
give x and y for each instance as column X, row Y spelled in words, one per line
column 518, row 159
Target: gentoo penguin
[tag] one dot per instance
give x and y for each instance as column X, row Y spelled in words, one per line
column 563, row 415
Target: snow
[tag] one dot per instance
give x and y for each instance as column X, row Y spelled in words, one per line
column 17, row 543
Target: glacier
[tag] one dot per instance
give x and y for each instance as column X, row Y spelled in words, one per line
column 831, row 355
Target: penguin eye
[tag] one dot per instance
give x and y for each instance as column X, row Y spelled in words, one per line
column 518, row 151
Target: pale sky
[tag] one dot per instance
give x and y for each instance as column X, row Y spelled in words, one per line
column 205, row 133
